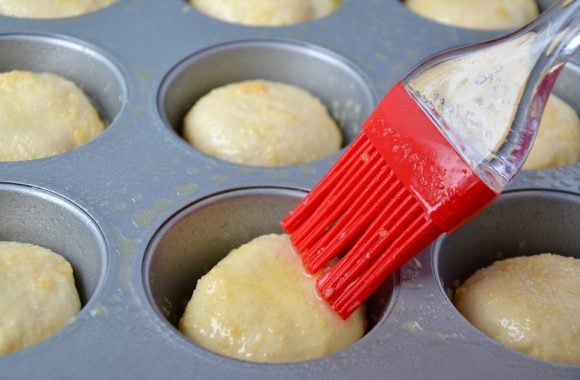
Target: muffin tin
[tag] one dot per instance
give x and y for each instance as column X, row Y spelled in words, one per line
column 141, row 214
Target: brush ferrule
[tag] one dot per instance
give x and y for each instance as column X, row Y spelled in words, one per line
column 425, row 162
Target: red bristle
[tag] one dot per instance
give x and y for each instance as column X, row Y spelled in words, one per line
column 305, row 209
column 415, row 237
column 361, row 189
column 353, row 222
column 356, row 182
column 381, row 233
column 394, row 218
column 337, row 185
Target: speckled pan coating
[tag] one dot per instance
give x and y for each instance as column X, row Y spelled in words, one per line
column 148, row 209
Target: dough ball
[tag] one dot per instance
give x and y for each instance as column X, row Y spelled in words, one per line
column 266, row 12
column 262, row 123
column 530, row 304
column 50, row 8
column 38, row 295
column 257, row 304
column 42, row 115
column 477, row 14
column 558, row 140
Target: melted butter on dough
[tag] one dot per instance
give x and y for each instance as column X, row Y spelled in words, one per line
column 38, row 295
column 266, row 12
column 50, row 8
column 477, row 14
column 262, row 123
column 258, row 305
column 530, row 304
column 42, row 115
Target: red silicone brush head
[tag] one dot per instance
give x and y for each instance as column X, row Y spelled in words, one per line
column 398, row 187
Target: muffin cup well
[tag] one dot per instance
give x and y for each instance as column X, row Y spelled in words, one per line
column 32, row 215
column 520, row 223
column 190, row 243
column 339, row 84
column 85, row 65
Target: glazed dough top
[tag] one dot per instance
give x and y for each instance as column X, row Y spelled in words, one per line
column 558, row 140
column 50, row 8
column 262, row 123
column 257, row 304
column 42, row 115
column 38, row 295
column 266, row 12
column 530, row 304
column 477, row 14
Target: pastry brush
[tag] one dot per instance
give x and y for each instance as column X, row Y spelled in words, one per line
column 439, row 147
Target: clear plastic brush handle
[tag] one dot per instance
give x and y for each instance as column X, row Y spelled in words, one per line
column 488, row 99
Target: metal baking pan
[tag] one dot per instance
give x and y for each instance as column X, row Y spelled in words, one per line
column 141, row 214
